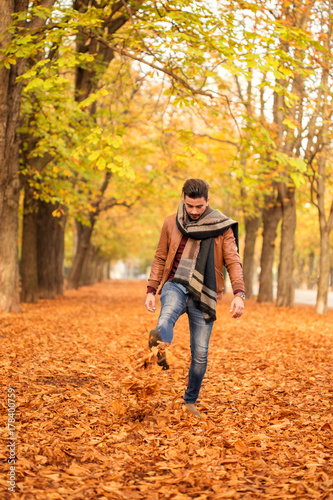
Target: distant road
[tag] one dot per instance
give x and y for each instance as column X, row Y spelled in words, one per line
column 306, row 297
column 309, row 298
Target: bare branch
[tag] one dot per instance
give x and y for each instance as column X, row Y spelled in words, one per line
column 218, row 140
column 240, row 93
column 313, row 191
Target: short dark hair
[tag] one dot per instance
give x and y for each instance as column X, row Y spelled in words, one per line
column 196, row 188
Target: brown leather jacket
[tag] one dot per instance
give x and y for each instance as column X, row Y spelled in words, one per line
column 225, row 248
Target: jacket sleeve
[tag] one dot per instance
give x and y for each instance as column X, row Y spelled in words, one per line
column 157, row 268
column 232, row 261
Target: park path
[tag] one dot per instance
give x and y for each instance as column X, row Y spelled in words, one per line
column 97, row 419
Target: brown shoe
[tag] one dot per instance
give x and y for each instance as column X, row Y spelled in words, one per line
column 190, row 407
column 155, row 339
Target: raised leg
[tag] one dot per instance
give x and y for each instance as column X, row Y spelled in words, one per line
column 174, row 298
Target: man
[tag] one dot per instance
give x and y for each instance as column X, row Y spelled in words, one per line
column 188, row 273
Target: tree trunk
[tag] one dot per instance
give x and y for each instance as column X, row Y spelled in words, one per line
column 29, row 272
column 311, row 281
column 103, row 268
column 99, row 269
column 251, row 228
column 286, row 292
column 89, row 271
column 324, row 269
column 29, row 259
column 83, row 239
column 9, row 271
column 60, row 254
column 10, row 101
column 326, row 225
column 50, row 251
column 271, row 217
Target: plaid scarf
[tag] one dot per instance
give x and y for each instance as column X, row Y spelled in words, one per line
column 196, row 269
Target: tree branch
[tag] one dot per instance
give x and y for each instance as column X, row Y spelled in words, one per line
column 312, row 191
column 115, row 203
column 168, row 72
column 96, row 204
column 38, row 22
column 218, row 140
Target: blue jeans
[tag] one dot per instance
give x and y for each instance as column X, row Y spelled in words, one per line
column 175, row 301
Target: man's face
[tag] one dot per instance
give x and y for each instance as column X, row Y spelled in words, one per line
column 195, row 207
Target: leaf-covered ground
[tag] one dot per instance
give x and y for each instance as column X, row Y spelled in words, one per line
column 97, row 419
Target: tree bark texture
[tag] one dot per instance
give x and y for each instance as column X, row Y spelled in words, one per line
column 326, row 225
column 84, row 233
column 324, row 271
column 9, row 272
column 271, row 217
column 286, row 292
column 95, row 268
column 33, row 210
column 29, row 271
column 103, row 270
column 50, row 251
column 251, row 230
column 89, row 270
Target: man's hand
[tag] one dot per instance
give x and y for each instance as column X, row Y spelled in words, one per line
column 150, row 302
column 237, row 307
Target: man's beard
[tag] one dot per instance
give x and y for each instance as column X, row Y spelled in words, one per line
column 193, row 219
